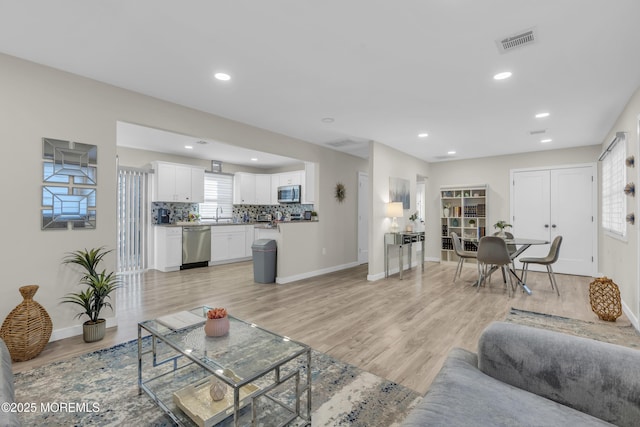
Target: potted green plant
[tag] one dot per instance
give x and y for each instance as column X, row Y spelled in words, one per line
column 94, row 297
column 501, row 225
column 314, row 216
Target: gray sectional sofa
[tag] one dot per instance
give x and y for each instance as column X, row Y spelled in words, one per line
column 524, row 376
column 8, row 416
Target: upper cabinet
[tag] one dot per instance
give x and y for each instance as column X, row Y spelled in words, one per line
column 309, row 187
column 262, row 189
column 177, row 183
column 244, row 188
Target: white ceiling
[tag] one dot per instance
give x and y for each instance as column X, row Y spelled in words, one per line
column 145, row 138
column 383, row 70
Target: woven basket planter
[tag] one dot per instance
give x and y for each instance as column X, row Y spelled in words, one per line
column 27, row 329
column 604, row 296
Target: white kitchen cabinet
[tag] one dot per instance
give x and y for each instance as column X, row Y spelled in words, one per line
column 252, row 189
column 244, row 188
column 309, row 186
column 249, row 239
column 263, row 189
column 275, row 183
column 177, row 183
column 168, row 248
column 228, row 242
column 290, row 178
column 197, row 185
column 266, row 233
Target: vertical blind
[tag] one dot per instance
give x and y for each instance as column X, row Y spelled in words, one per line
column 132, row 215
column 614, row 206
column 218, row 193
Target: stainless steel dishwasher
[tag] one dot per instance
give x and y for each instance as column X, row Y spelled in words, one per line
column 196, row 246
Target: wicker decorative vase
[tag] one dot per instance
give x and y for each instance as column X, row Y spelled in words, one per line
column 27, row 329
column 604, row 296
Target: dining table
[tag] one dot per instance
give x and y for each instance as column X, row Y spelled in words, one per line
column 521, row 244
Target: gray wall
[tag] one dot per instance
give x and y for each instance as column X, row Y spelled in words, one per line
column 39, row 102
column 619, row 258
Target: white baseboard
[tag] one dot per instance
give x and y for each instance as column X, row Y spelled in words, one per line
column 374, row 277
column 633, row 319
column 288, row 279
column 72, row 331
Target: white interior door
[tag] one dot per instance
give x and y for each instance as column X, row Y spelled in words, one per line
column 572, row 217
column 531, row 208
column 363, row 218
column 552, row 202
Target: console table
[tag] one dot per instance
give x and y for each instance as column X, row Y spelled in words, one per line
column 400, row 240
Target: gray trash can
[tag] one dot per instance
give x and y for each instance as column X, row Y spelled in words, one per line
column 264, row 260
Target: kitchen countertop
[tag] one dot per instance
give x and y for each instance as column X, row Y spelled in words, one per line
column 222, row 224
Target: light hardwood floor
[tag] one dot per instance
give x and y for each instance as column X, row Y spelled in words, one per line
column 398, row 329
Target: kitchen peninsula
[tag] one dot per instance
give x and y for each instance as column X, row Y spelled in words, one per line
column 297, row 242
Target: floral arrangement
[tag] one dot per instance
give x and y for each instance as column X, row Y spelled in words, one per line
column 217, row 313
column 413, row 216
column 502, row 225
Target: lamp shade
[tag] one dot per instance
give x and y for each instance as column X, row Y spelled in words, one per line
column 394, row 210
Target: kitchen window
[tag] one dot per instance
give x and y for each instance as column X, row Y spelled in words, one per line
column 614, row 203
column 218, row 193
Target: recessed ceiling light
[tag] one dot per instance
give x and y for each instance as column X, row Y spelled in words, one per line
column 201, row 142
column 542, row 115
column 189, row 147
column 502, row 76
column 328, row 120
column 222, row 76
column 544, row 141
column 451, row 153
column 254, row 159
column 423, row 135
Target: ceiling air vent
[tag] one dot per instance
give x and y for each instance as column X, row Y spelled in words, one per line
column 515, row 41
column 343, row 143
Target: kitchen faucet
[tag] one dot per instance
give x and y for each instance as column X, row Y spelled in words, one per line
column 220, row 208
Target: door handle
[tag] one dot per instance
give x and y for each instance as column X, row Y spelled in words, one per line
column 546, row 226
column 553, row 226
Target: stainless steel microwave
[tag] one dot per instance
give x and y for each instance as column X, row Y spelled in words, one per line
column 289, row 194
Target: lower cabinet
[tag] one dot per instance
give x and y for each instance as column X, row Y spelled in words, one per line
column 266, row 233
column 168, row 248
column 229, row 242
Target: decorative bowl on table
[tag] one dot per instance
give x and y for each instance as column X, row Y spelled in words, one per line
column 217, row 323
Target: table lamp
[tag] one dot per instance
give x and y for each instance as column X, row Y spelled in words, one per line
column 395, row 211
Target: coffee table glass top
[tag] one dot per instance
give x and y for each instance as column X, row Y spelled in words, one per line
column 243, row 354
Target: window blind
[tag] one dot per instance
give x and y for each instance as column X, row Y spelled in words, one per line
column 614, row 204
column 218, row 193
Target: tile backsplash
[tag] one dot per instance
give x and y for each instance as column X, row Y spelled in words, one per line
column 180, row 211
column 254, row 210
column 177, row 211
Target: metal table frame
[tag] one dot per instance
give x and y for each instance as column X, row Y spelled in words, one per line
column 401, row 240
column 521, row 246
column 189, row 359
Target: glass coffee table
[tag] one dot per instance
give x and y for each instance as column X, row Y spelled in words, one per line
column 267, row 377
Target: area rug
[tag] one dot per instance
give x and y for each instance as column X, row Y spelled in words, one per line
column 598, row 330
column 100, row 389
